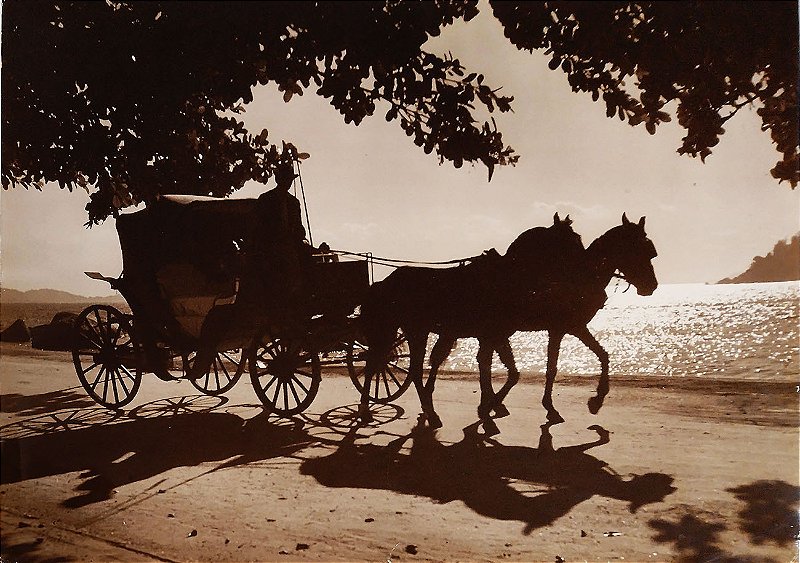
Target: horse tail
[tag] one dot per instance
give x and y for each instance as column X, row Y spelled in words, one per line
column 379, row 325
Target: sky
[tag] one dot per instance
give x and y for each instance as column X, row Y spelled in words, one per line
column 369, row 188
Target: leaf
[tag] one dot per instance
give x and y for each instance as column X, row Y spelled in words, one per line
column 303, row 155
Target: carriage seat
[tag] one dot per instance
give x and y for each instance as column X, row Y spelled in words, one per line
column 191, row 294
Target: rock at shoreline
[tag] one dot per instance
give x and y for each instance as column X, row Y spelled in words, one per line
column 17, row 332
column 58, row 335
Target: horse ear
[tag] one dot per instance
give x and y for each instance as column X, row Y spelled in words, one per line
column 556, row 219
column 567, row 220
column 625, row 219
column 641, row 222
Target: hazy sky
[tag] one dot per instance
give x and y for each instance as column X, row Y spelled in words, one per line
column 369, row 188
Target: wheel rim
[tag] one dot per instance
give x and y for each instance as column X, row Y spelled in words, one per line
column 390, row 381
column 104, row 355
column 222, row 375
column 285, row 376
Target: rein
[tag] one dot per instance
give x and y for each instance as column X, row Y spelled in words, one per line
column 396, row 263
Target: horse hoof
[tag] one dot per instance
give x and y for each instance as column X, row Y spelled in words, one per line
column 434, row 421
column 483, row 413
column 554, row 418
column 500, row 411
column 594, row 405
column 490, row 428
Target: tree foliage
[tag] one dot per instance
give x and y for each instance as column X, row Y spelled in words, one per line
column 710, row 58
column 140, row 98
column 132, row 99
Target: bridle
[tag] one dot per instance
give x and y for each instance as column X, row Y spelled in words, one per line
column 620, row 276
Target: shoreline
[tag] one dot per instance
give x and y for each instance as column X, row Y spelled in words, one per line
column 774, row 403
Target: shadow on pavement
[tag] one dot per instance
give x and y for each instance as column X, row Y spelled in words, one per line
column 29, row 405
column 535, row 486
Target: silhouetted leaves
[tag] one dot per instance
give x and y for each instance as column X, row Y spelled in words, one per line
column 770, row 514
column 128, row 100
column 710, row 58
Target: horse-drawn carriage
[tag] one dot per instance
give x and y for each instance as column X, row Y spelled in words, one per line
column 217, row 287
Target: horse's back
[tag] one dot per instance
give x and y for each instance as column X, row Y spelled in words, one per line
column 546, row 254
column 467, row 299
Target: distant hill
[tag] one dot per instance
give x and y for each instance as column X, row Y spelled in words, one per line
column 782, row 264
column 8, row 295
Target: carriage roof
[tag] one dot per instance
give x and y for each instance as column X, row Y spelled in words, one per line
column 177, row 228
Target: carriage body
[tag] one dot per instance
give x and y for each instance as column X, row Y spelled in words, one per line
column 221, row 276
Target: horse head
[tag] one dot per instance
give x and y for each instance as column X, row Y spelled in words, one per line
column 626, row 248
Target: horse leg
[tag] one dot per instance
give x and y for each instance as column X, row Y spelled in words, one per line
column 488, row 401
column 507, row 357
column 602, row 386
column 553, row 347
column 439, row 353
column 416, row 347
column 364, row 415
column 485, row 354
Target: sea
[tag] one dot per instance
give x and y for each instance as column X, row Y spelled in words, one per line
column 725, row 331
column 722, row 331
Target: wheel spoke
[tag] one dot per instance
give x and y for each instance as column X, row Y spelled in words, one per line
column 300, row 383
column 114, row 385
column 269, row 384
column 97, row 379
column 389, row 371
column 231, row 359
column 223, row 368
column 99, row 329
column 122, row 382
column 94, row 365
column 127, row 372
column 277, row 391
column 294, row 392
column 285, row 396
column 112, row 334
column 105, row 386
column 99, row 342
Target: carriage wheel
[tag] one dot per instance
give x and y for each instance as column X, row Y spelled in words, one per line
column 285, row 375
column 391, row 381
column 223, row 373
column 105, row 356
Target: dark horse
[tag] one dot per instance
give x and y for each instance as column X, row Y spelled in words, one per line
column 538, row 258
column 469, row 300
column 490, row 299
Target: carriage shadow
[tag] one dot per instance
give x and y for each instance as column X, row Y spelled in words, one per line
column 535, row 486
column 123, row 449
column 111, row 449
column 43, row 403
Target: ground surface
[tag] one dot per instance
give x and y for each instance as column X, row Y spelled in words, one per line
column 669, row 470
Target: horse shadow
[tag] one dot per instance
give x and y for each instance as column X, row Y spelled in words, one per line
column 535, row 486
